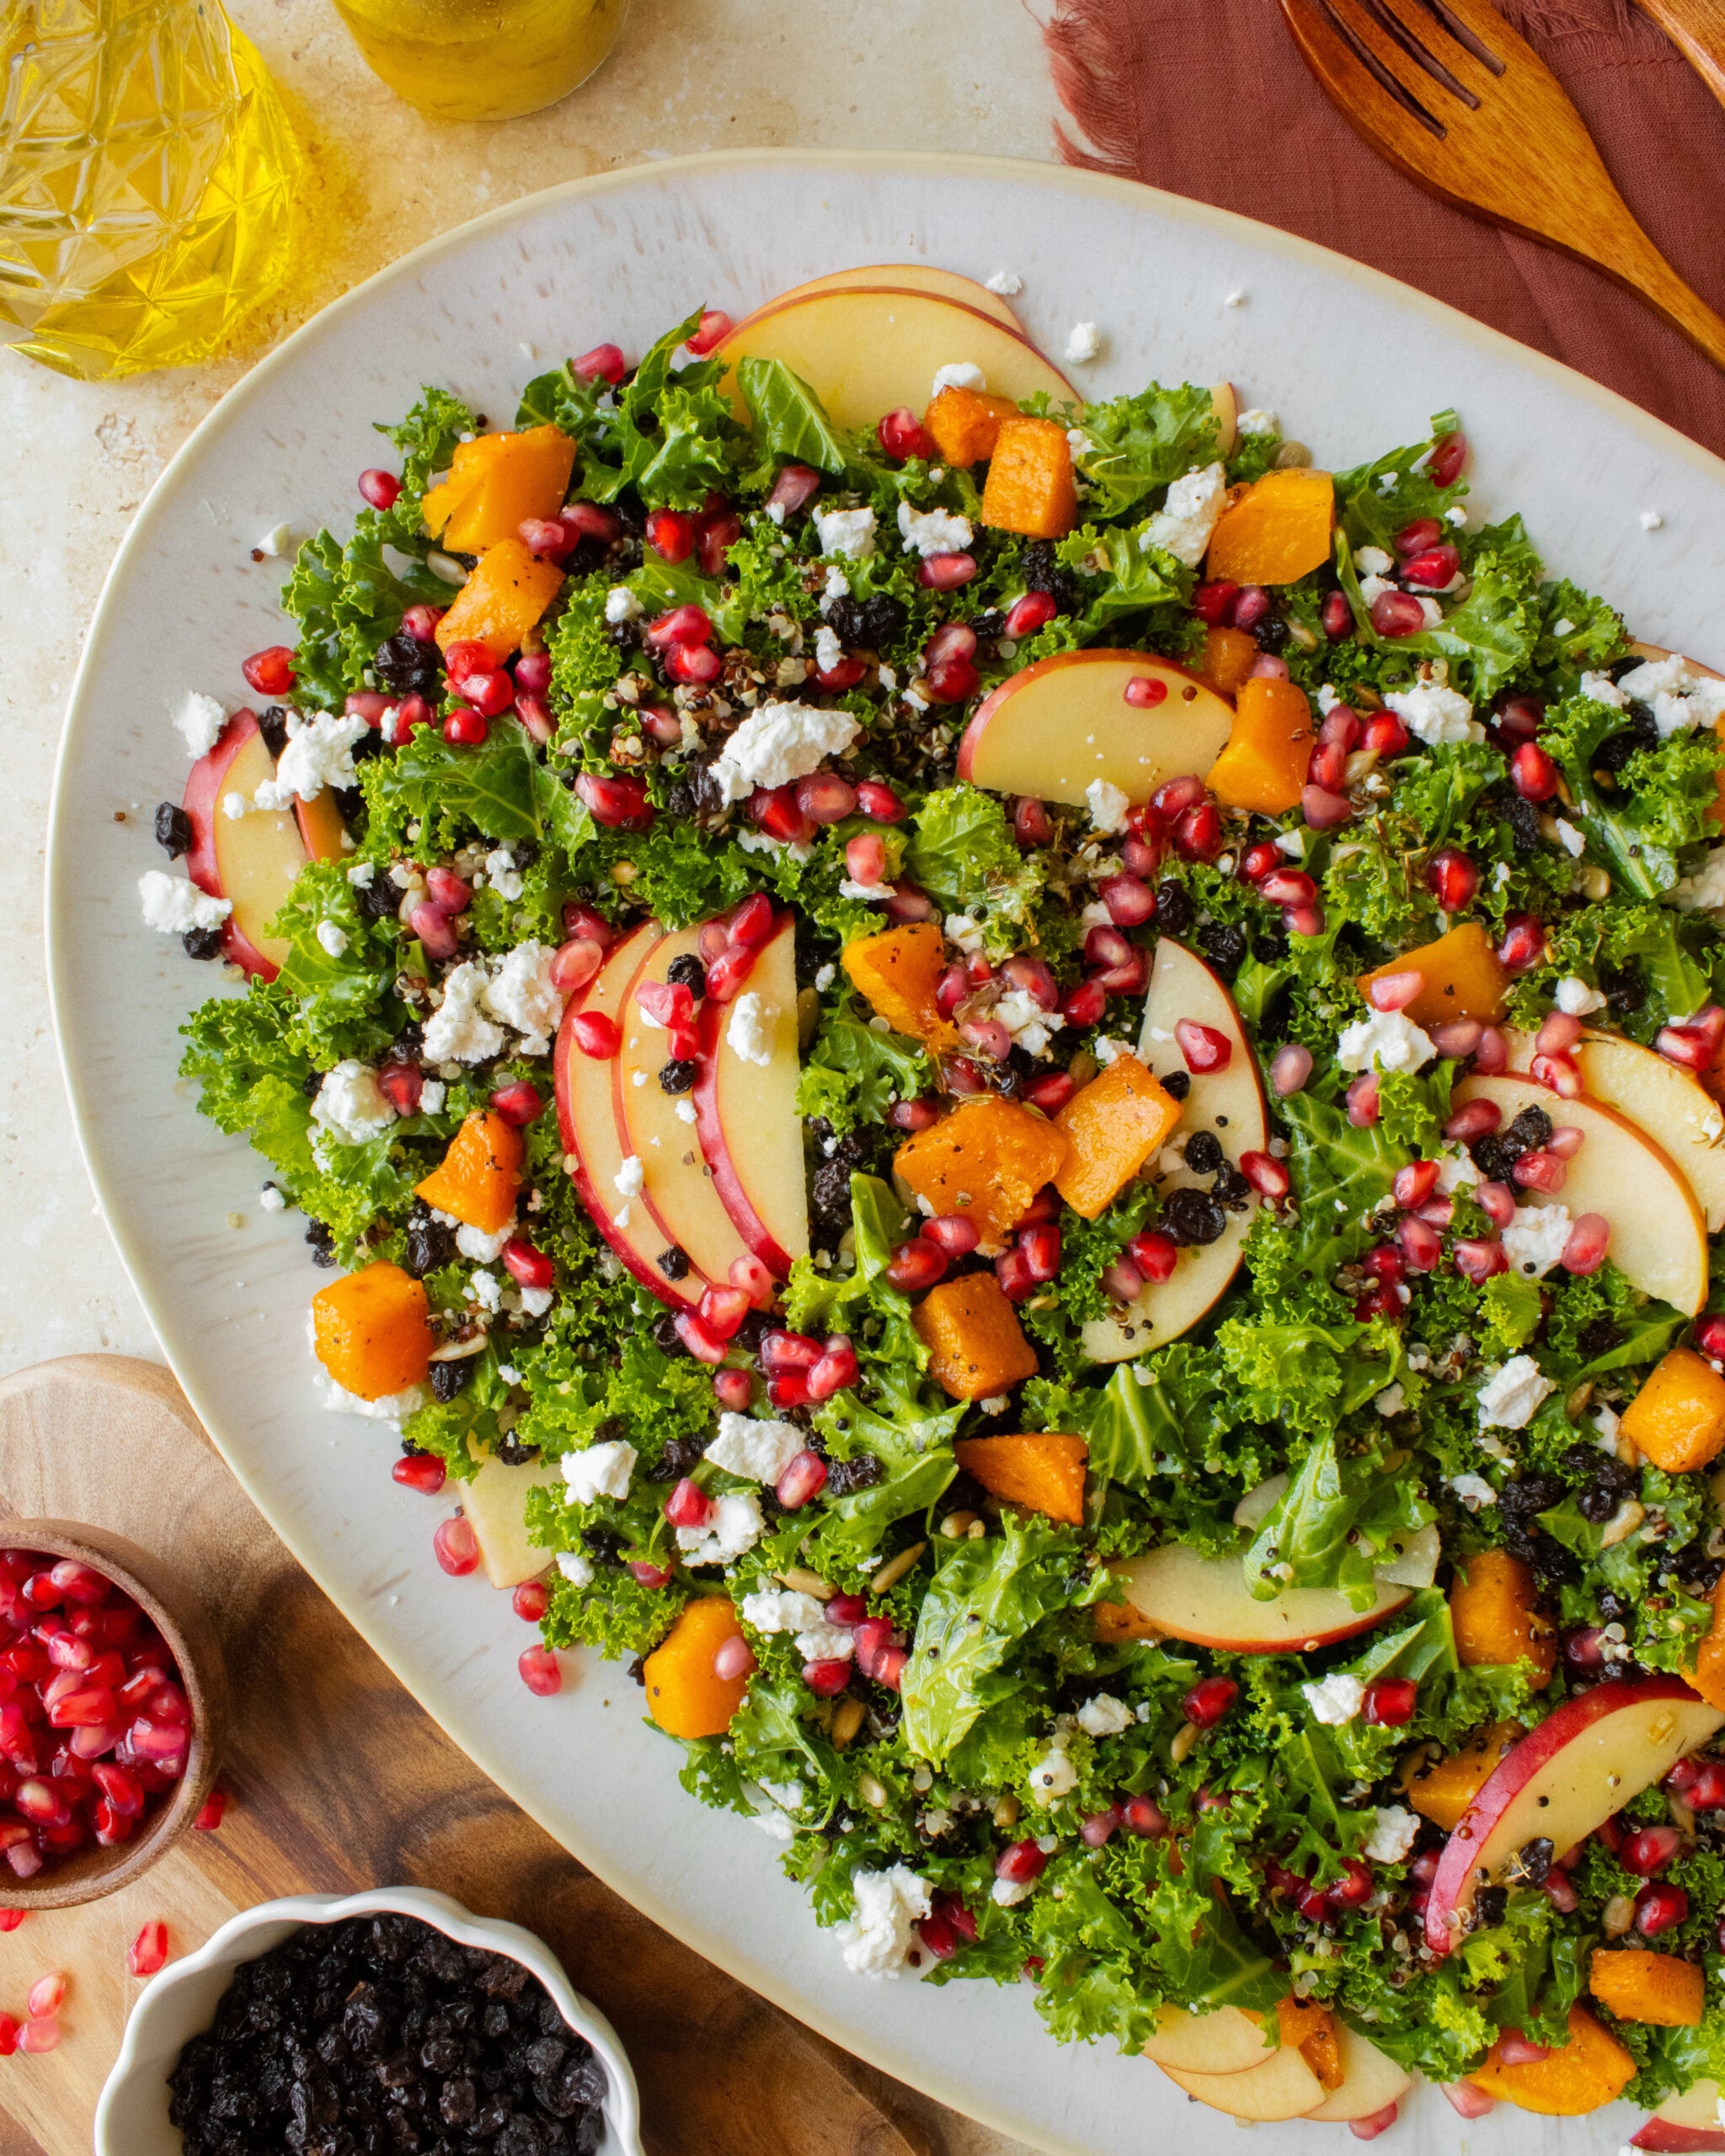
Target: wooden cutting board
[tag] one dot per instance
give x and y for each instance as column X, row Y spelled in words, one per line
column 338, row 1781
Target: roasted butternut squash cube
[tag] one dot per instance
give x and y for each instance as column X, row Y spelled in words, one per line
column 976, row 1345
column 1042, row 1470
column 988, row 1159
column 898, row 971
column 1708, row 1675
column 1495, row 1615
column 684, row 1696
column 1229, row 657
column 466, row 468
column 479, row 1178
column 1269, row 746
column 1029, row 487
column 1463, row 975
column 1442, row 1791
column 526, row 475
column 1276, row 532
column 1678, row 1418
column 1641, row 1987
column 500, row 601
column 964, row 424
column 1591, row 2069
column 1112, row 1127
column 1310, row 2028
column 372, row 1331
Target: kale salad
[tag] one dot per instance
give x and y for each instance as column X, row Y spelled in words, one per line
column 1022, row 1093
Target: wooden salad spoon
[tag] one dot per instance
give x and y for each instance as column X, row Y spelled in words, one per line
column 1697, row 29
column 1453, row 97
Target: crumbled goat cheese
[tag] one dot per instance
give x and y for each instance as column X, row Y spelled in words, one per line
column 1007, row 1893
column 879, row 1938
column 1601, row 689
column 1084, row 343
column 431, row 1096
column 1651, row 520
column 1474, row 1490
column 1373, row 588
column 1574, row 842
column 933, row 532
column 506, row 878
column 801, row 1614
column 1105, row 1050
column 754, row 1451
column 847, row 531
column 686, row 1111
column 777, row 743
column 535, row 1301
column 825, row 979
column 1108, row 806
column 271, row 1199
column 388, row 1408
column 1391, row 1400
column 837, row 586
column 1693, row 894
column 1182, row 526
column 1234, row 299
column 630, row 1177
column 750, row 1033
column 1680, row 696
column 1007, row 283
column 1031, row 1026
column 363, row 875
column 234, row 806
column 475, row 1243
column 350, row 1105
column 1456, row 1170
column 174, row 905
column 829, row 652
column 522, row 994
column 458, row 1031
column 319, row 753
column 576, row 1569
column 1535, row 1239
column 621, row 604
column 198, row 720
column 1257, row 421
column 1393, row 1835
column 1387, row 1041
column 1373, row 561
column 274, row 540
column 1508, row 1399
column 1052, row 1776
column 1436, row 714
column 733, row 1527
column 332, row 937
column 1104, row 1715
column 1575, row 999
column 965, row 930
column 487, row 1291
column 603, row 1470
column 961, row 374
column 1334, row 1699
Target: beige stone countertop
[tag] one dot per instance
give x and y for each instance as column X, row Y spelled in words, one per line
column 688, row 75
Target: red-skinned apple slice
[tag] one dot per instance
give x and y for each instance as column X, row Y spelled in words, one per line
column 677, row 1193
column 1225, row 2040
column 1226, row 400
column 1684, row 2125
column 321, row 826
column 1205, row 1601
column 1564, row 1779
column 495, row 1504
column 899, row 277
column 589, row 1125
column 1285, row 2087
column 865, row 352
column 1229, row 1103
column 745, row 1113
column 1370, row 2081
column 1658, row 1236
column 250, row 860
column 1055, row 729
column 1671, row 1106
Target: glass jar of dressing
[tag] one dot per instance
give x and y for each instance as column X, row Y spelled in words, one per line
column 483, row 59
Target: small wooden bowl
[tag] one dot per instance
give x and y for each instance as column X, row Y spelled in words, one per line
column 203, row 1676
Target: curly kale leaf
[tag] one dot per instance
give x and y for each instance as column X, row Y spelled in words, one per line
column 852, row 1075
column 1658, row 806
column 962, row 851
column 1375, row 501
column 1135, row 445
column 790, row 420
column 347, row 601
column 1332, row 1526
column 427, row 438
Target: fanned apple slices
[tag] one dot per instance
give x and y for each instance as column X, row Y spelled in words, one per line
column 683, row 1186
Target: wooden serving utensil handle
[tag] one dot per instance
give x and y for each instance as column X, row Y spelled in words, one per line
column 1624, row 251
column 1697, row 29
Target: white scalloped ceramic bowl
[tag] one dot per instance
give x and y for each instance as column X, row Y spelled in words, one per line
column 132, row 2118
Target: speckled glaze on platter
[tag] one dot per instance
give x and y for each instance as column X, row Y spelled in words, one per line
column 1348, row 358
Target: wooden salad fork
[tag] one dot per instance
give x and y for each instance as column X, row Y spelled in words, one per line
column 1456, row 99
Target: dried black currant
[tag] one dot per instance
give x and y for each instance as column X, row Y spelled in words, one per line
column 174, row 830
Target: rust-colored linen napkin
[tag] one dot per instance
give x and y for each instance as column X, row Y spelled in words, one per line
column 1211, row 98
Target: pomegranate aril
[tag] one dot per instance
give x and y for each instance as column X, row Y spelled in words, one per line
column 1323, row 810
column 457, row 1547
column 901, row 437
column 1197, row 833
column 79, row 1583
column 1657, row 1908
column 271, row 671
column 1478, row 1259
column 1524, row 944
column 1649, row 1850
column 546, row 536
column 1214, row 602
column 653, row 1577
column 1361, row 1100
column 736, row 1658
column 1154, row 1254
column 728, row 972
column 1084, row 1003
column 1327, row 768
column 1390, row 1701
column 1448, row 455
column 464, row 729
column 1396, row 614
column 1419, row 1244
column 148, row 1951
column 951, row 680
column 1034, row 612
column 701, row 1342
column 1432, row 567
column 908, row 903
column 803, row 1479
column 946, row 572
column 1014, row 1275
column 1266, row 1175
column 788, row 1351
column 1021, row 1863
column 1122, row 1280
column 1130, row 900
column 1415, row 1184
column 1203, row 1047
column 875, row 798
column 519, row 1104
column 671, row 535
column 41, row 2035
column 1709, row 1339
column 421, row 1471
column 715, row 327
column 1532, row 773
column 688, row 624
column 47, row 1995
column 834, row 1372
column 1396, row 991
column 1452, row 879
column 1040, row 1248
column 1210, row 1700
column 1492, row 1056
column 1337, row 616
column 539, row 1671
column 795, row 487
column 827, row 1678
column 40, row 1802
column 489, row 690
column 825, row 798
column 914, row 1265
column 1289, row 1068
